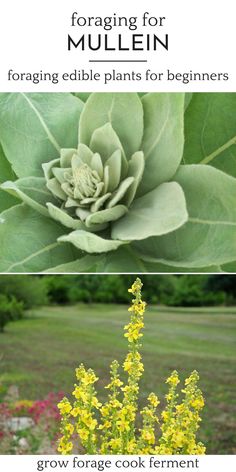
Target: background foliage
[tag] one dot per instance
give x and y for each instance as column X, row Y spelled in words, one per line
column 171, row 290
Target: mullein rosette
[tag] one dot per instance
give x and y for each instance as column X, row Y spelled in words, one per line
column 101, row 189
column 112, row 188
column 117, row 426
column 114, row 182
column 94, row 184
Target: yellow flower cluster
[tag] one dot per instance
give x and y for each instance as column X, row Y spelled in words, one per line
column 79, row 417
column 23, row 404
column 111, row 428
column 181, row 421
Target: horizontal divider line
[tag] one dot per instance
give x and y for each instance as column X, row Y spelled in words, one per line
column 117, row 60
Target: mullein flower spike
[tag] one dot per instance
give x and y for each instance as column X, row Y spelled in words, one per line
column 111, row 428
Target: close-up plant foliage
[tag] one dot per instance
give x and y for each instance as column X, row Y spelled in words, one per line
column 117, row 182
column 111, row 428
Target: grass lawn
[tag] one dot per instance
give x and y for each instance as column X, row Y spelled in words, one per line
column 39, row 354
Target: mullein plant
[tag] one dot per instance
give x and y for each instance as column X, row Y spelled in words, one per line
column 111, row 428
column 117, row 182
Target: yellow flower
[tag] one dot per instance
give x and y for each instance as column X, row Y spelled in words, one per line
column 75, row 411
column 152, row 398
column 148, row 436
column 115, row 403
column 69, row 428
column 115, row 443
column 131, row 446
column 123, row 425
column 165, row 415
column 95, row 403
column 114, row 383
column 89, row 378
column 64, row 406
column 79, row 394
column 200, row 449
column 130, row 389
column 198, row 403
column 133, row 335
column 178, row 438
column 173, row 379
column 106, row 425
column 91, row 423
column 136, row 287
column 104, row 410
column 64, row 446
column 23, row 404
column 128, row 365
column 83, row 433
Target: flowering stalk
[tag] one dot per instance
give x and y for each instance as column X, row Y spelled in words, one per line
column 110, row 436
column 111, row 428
column 180, row 422
column 147, row 432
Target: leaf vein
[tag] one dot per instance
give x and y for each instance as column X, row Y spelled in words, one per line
column 35, row 254
column 211, row 222
column 45, row 127
column 160, row 133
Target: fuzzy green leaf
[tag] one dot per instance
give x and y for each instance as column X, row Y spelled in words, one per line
column 209, row 237
column 210, row 131
column 163, row 138
column 105, row 141
column 62, row 217
column 34, row 126
column 122, row 110
column 32, row 191
column 105, row 216
column 158, row 212
column 85, row 264
column 136, row 168
column 82, row 95
column 90, row 242
column 6, row 172
column 28, row 241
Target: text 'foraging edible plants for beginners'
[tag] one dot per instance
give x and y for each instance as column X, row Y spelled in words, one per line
column 101, row 47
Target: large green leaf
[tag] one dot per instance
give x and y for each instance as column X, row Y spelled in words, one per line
column 28, row 241
column 124, row 260
column 230, row 267
column 63, row 217
column 163, row 138
column 209, row 237
column 158, row 212
column 32, row 191
column 86, row 264
column 123, row 110
column 210, row 131
column 187, row 99
column 89, row 242
column 6, row 172
column 158, row 267
column 82, row 95
column 34, row 126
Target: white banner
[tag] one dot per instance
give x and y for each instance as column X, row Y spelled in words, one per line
column 164, row 45
column 117, row 463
